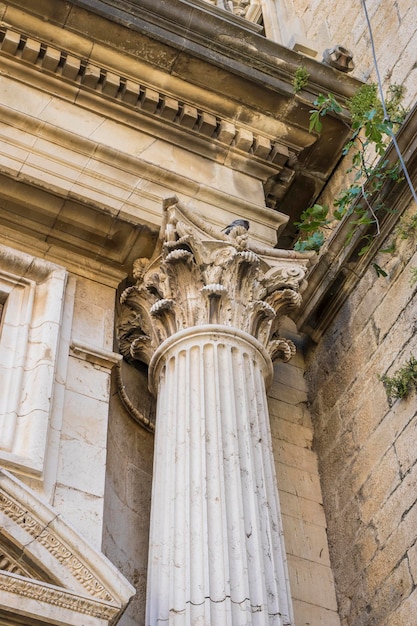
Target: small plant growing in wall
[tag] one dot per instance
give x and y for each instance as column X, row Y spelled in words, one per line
column 407, row 227
column 413, row 278
column 403, row 382
column 301, row 77
column 371, row 134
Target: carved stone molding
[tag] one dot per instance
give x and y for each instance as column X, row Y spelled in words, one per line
column 144, row 99
column 64, row 554
column 49, row 594
column 9, row 564
column 198, row 276
column 44, row 563
column 102, row 358
column 132, row 385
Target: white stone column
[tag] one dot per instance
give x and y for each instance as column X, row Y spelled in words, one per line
column 216, row 548
column 204, row 314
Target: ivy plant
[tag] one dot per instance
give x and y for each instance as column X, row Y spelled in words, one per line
column 371, row 134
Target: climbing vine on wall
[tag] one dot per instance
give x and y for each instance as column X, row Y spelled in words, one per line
column 372, row 131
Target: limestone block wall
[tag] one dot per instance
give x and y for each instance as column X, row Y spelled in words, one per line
column 311, row 579
column 127, row 503
column 394, row 26
column 76, row 472
column 55, row 362
column 367, row 448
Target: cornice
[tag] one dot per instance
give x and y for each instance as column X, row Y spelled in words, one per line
column 195, row 75
column 260, row 154
column 78, row 577
column 218, row 37
column 61, row 551
column 102, row 358
column 55, row 596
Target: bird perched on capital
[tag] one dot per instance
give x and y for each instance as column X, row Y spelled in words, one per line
column 243, row 223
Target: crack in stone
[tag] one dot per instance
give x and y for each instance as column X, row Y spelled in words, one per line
column 37, row 535
column 217, row 601
column 254, row 607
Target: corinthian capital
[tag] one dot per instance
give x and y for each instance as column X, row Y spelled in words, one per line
column 199, row 276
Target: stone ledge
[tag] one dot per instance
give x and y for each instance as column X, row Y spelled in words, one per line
column 200, row 66
column 100, row 357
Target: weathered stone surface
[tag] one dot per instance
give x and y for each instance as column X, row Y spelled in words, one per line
column 130, row 454
column 367, row 459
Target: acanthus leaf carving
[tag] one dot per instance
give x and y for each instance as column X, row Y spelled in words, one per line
column 197, row 276
column 281, row 349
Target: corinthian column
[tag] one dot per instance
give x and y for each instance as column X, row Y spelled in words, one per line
column 204, row 314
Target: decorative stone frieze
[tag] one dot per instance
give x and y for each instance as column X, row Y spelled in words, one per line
column 57, row 569
column 56, row 597
column 9, row 564
column 54, row 545
column 198, row 276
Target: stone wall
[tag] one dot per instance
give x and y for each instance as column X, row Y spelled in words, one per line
column 77, row 480
column 366, row 448
column 394, row 30
column 311, row 579
column 127, row 503
column 55, row 363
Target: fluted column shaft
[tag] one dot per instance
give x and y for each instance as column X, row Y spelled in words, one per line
column 216, row 550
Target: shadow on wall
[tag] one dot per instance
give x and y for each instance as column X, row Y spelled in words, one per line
column 127, row 501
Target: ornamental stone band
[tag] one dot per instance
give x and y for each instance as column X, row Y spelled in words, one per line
column 204, row 314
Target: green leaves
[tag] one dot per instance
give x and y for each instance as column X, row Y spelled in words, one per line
column 312, row 242
column 301, row 77
column 313, row 217
column 379, row 270
column 403, row 382
column 371, row 133
column 312, row 221
column 325, row 104
column 315, row 123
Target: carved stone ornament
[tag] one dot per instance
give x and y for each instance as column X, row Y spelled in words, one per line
column 47, row 570
column 200, row 276
column 64, row 554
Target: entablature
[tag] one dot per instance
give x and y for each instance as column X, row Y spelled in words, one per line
column 191, row 75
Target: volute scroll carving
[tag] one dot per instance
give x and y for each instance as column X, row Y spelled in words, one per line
column 200, row 276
